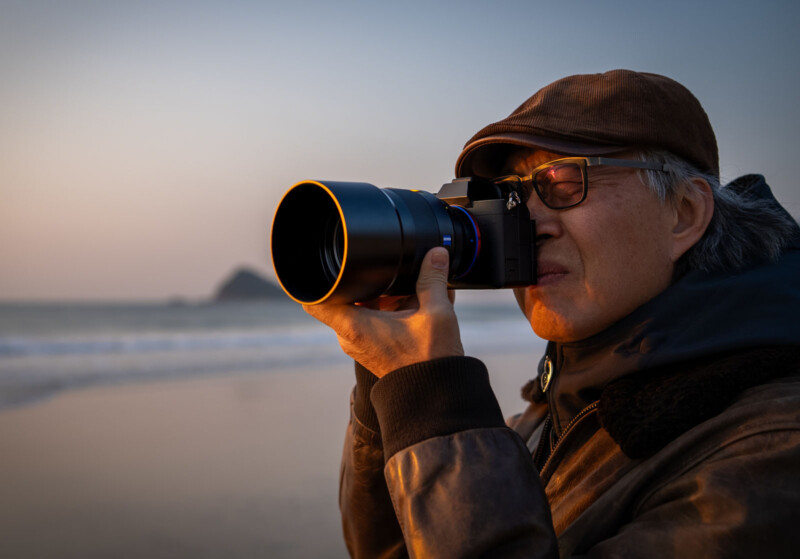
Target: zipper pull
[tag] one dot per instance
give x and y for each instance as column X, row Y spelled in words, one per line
column 547, row 374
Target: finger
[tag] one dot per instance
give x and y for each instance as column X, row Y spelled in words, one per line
column 432, row 281
column 374, row 304
column 390, row 303
column 406, row 303
column 333, row 314
column 394, row 302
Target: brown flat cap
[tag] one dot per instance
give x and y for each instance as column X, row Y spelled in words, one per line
column 598, row 114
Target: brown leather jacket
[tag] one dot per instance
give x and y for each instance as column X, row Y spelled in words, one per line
column 727, row 487
column 665, row 436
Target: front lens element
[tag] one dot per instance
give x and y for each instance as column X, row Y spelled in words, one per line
column 306, row 263
column 332, row 248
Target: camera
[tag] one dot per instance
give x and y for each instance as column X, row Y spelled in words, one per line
column 352, row 241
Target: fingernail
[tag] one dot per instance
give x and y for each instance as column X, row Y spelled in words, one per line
column 439, row 259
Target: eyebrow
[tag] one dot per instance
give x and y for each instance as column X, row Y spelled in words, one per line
column 526, row 170
column 522, row 156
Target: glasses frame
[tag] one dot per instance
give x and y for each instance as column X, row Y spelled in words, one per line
column 583, row 163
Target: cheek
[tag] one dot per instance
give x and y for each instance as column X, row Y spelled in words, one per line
column 631, row 263
column 618, row 256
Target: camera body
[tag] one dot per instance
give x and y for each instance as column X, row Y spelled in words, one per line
column 348, row 241
column 507, row 255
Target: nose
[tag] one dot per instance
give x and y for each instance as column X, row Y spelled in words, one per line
column 548, row 221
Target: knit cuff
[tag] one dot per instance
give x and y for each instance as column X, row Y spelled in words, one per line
column 362, row 406
column 433, row 399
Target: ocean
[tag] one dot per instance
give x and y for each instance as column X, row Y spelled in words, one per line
column 47, row 348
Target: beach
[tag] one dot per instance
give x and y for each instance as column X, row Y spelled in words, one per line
column 236, row 464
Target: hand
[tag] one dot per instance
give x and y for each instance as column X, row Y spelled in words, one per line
column 394, row 332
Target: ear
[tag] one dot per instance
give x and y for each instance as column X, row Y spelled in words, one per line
column 694, row 207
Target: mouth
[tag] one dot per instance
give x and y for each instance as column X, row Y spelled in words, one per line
column 549, row 272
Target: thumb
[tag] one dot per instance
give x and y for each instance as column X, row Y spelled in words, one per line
column 432, row 280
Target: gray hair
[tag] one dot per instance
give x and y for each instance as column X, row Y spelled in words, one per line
column 743, row 230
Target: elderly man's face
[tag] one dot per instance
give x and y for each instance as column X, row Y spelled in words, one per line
column 597, row 261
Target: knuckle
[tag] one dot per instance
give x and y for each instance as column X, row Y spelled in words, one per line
column 355, row 332
column 310, row 309
column 356, row 337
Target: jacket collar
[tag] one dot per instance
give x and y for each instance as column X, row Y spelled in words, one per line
column 643, row 412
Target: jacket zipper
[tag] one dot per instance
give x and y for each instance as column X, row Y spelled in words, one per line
column 570, row 426
column 545, row 446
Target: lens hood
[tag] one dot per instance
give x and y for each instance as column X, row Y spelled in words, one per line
column 335, row 241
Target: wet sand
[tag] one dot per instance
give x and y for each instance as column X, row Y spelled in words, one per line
column 228, row 466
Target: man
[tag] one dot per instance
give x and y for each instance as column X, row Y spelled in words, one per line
column 664, row 420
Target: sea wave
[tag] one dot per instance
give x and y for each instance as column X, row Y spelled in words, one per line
column 146, row 343
column 35, row 367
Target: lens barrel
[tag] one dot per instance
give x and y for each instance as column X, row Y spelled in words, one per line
column 348, row 241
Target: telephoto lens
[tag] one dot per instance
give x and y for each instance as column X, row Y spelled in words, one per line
column 351, row 241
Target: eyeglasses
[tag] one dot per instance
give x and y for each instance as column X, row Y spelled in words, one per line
column 563, row 183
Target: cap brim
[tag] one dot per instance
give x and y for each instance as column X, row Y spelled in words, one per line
column 483, row 157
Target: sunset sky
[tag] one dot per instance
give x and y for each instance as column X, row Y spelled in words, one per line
column 145, row 145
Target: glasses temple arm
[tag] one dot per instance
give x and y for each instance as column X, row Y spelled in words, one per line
column 627, row 163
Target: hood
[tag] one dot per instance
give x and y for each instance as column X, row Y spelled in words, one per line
column 699, row 315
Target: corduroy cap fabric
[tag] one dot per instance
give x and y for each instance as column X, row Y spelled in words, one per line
column 599, row 114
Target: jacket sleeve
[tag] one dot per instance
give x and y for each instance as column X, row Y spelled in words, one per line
column 368, row 520
column 462, row 483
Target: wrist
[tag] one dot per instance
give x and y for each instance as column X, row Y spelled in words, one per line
column 362, row 405
column 434, row 398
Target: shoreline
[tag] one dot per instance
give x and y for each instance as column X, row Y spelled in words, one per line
column 203, row 467
column 234, row 465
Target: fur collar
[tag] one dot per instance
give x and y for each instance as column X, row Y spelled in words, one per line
column 645, row 411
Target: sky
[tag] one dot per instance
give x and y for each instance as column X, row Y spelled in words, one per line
column 144, row 145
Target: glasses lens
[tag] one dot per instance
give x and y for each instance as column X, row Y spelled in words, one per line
column 560, row 185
